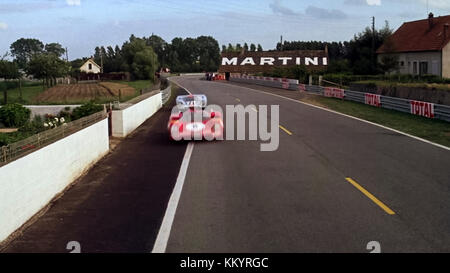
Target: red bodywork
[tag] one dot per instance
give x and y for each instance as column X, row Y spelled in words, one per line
column 209, row 128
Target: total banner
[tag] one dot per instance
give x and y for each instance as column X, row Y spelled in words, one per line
column 421, row 108
column 334, row 92
column 372, row 99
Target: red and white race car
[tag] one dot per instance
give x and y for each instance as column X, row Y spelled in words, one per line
column 190, row 121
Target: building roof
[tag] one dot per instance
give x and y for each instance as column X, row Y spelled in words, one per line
column 92, row 61
column 418, row 36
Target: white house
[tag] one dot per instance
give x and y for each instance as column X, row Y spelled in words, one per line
column 91, row 67
column 422, row 47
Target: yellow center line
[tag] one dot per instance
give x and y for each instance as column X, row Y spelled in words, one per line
column 254, row 109
column 371, row 197
column 238, row 100
column 285, row 130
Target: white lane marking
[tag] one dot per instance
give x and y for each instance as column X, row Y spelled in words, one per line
column 166, row 226
column 345, row 115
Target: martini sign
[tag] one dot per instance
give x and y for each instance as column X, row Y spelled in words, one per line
column 261, row 61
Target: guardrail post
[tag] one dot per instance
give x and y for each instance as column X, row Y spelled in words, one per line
column 4, row 153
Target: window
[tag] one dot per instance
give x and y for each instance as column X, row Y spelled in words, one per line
column 423, row 68
column 415, row 68
column 402, row 63
column 90, row 66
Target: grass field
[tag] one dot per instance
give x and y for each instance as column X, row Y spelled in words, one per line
column 431, row 129
column 31, row 94
column 138, row 85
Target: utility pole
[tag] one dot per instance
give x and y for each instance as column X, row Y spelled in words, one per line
column 101, row 61
column 67, row 55
column 281, row 43
column 373, row 41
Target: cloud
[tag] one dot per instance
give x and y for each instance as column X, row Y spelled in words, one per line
column 374, row 2
column 440, row 4
column 410, row 15
column 321, row 13
column 3, row 26
column 73, row 2
column 325, row 13
column 24, row 7
column 363, row 2
column 278, row 8
column 355, row 2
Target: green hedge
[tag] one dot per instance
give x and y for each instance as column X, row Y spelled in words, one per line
column 86, row 110
column 14, row 115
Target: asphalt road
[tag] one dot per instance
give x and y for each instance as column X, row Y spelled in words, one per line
column 235, row 198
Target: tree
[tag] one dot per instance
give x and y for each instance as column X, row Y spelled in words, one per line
column 238, row 47
column 159, row 47
column 139, row 59
column 224, row 49
column 245, row 47
column 359, row 51
column 23, row 49
column 9, row 71
column 181, row 55
column 252, row 47
column 208, row 53
column 47, row 67
column 55, row 48
column 230, row 48
column 260, row 47
column 389, row 60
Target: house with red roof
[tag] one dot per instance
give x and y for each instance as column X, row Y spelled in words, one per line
column 421, row 47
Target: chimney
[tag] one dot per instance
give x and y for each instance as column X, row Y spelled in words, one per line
column 446, row 33
column 430, row 20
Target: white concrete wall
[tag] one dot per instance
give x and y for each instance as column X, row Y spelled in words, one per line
column 42, row 110
column 432, row 58
column 29, row 183
column 127, row 120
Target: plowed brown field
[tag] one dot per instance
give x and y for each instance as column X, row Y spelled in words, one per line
column 84, row 92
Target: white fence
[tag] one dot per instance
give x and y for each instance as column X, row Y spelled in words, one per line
column 127, row 120
column 29, row 183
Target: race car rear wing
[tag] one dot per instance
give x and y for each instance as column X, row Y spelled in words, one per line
column 192, row 101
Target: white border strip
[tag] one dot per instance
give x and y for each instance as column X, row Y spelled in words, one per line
column 345, row 115
column 166, row 226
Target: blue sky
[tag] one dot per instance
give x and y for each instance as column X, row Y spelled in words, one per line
column 81, row 25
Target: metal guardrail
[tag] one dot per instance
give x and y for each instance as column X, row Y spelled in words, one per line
column 21, row 148
column 437, row 111
column 166, row 94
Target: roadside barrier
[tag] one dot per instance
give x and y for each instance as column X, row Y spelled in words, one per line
column 41, row 167
column 166, row 94
column 420, row 108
